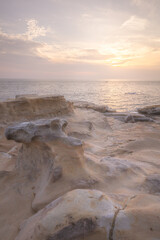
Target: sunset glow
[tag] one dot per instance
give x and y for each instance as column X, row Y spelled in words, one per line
column 56, row 38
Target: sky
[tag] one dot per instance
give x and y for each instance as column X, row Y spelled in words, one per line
column 80, row 39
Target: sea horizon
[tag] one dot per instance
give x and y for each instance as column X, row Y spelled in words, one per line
column 117, row 94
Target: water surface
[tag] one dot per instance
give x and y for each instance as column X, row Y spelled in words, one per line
column 120, row 95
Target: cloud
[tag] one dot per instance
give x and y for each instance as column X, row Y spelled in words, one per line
column 148, row 7
column 137, row 2
column 34, row 30
column 132, row 51
column 26, row 45
column 30, row 53
column 91, row 54
column 17, row 45
column 61, row 53
column 88, row 55
column 119, row 53
column 145, row 3
column 135, row 23
column 10, row 44
column 23, row 44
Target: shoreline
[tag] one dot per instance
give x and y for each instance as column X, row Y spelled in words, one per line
column 121, row 96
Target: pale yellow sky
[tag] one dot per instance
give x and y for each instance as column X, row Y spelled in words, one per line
column 87, row 39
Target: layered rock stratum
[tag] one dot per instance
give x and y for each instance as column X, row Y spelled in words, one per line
column 30, row 107
column 78, row 171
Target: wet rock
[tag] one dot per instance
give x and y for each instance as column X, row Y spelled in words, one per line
column 129, row 117
column 137, row 118
column 95, row 107
column 150, row 110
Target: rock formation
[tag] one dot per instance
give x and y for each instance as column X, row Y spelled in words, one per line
column 79, row 214
column 47, row 155
column 93, row 106
column 150, row 110
column 138, row 219
column 31, row 107
column 86, row 175
column 130, row 117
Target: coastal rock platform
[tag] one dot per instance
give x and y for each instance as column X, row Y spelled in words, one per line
column 75, row 171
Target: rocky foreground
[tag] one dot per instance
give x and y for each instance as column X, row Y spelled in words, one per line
column 78, row 171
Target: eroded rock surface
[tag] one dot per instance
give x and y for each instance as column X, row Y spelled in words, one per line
column 93, row 106
column 48, row 155
column 79, row 214
column 33, row 107
column 130, row 117
column 93, row 178
column 139, row 219
column 42, row 130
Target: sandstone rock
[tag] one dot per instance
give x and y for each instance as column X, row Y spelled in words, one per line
column 42, row 130
column 79, row 214
column 150, row 110
column 95, row 107
column 32, row 107
column 49, row 160
column 138, row 219
column 51, row 164
column 118, row 174
column 118, row 167
column 90, row 214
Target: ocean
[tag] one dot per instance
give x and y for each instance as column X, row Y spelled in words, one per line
column 119, row 95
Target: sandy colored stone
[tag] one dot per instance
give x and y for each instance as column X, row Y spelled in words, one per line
column 140, row 219
column 46, row 159
column 49, row 159
column 33, row 107
column 79, row 214
column 93, row 106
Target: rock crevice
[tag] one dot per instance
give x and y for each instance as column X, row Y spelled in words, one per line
column 111, row 232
